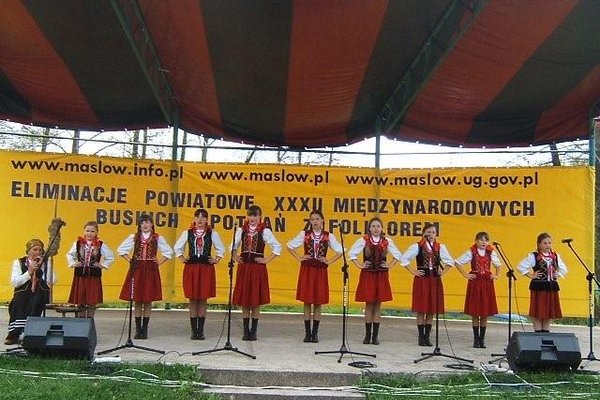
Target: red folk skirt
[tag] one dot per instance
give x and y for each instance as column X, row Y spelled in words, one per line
column 480, row 300
column 544, row 304
column 199, row 281
column 146, row 283
column 313, row 285
column 251, row 285
column 86, row 290
column 424, row 299
column 373, row 287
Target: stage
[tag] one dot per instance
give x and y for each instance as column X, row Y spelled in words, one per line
column 283, row 359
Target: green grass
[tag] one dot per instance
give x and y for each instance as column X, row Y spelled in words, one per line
column 26, row 377
column 526, row 385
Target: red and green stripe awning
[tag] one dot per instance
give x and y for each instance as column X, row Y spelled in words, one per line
column 310, row 73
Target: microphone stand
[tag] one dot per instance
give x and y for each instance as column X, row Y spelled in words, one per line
column 590, row 277
column 343, row 348
column 436, row 350
column 129, row 343
column 510, row 274
column 228, row 346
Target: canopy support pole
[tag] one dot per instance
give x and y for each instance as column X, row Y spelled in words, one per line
column 132, row 21
column 456, row 20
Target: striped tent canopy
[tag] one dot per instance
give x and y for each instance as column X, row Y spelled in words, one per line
column 307, row 73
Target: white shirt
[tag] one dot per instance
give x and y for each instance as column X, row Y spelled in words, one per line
column 108, row 257
column 127, row 245
column 214, row 237
column 529, row 262
column 360, row 244
column 413, row 251
column 467, row 256
column 268, row 238
column 298, row 241
column 18, row 277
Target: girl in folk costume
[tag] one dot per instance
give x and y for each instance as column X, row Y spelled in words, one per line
column 480, row 301
column 145, row 287
column 88, row 256
column 374, row 283
column 433, row 261
column 32, row 292
column 252, row 280
column 199, row 281
column 313, row 282
column 543, row 267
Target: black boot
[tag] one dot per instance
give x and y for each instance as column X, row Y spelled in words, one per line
column 200, row 328
column 138, row 328
column 12, row 338
column 375, row 338
column 246, row 322
column 145, row 322
column 194, row 325
column 482, row 337
column 307, row 335
column 315, row 331
column 253, row 329
column 427, row 333
column 421, row 329
column 367, row 338
column 476, row 337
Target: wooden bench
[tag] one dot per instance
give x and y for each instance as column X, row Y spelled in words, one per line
column 64, row 309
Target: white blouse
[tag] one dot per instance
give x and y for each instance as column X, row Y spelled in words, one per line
column 214, row 237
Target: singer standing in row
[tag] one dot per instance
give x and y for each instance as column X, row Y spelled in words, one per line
column 313, row 280
column 88, row 256
column 433, row 261
column 144, row 246
column 480, row 301
column 199, row 278
column 374, row 282
column 252, row 279
column 543, row 267
column 31, row 290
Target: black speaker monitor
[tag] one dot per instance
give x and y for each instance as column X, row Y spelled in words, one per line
column 66, row 337
column 543, row 350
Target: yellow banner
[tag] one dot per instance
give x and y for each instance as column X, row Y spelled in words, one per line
column 513, row 204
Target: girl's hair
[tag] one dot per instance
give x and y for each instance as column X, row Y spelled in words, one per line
column 254, row 210
column 316, row 212
column 482, row 235
column 91, row 223
column 145, row 217
column 201, row 212
column 428, row 225
column 542, row 236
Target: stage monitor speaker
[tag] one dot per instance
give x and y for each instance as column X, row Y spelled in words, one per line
column 60, row 337
column 543, row 351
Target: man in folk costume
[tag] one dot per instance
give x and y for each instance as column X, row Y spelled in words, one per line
column 433, row 261
column 31, row 289
column 199, row 279
column 146, row 285
column 313, row 281
column 252, row 279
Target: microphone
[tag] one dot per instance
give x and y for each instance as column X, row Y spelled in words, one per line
column 496, row 244
column 567, row 240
